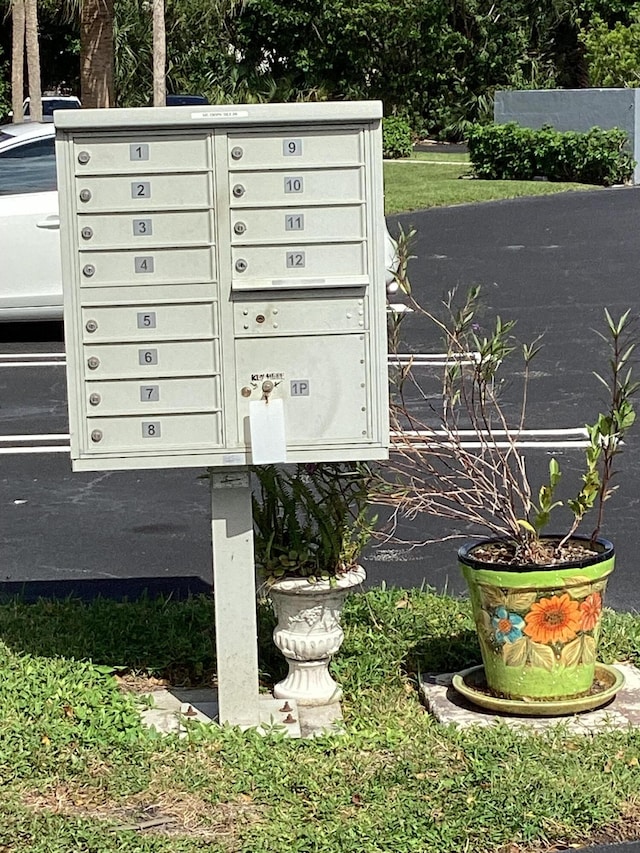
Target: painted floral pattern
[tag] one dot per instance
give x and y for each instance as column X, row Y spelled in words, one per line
column 590, row 611
column 507, row 626
column 543, row 629
column 553, row 620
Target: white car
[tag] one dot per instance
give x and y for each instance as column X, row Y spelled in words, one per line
column 50, row 103
column 30, row 274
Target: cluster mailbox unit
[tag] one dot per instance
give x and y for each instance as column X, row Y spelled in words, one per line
column 225, row 305
column 215, row 258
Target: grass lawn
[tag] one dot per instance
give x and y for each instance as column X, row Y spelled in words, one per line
column 435, row 180
column 80, row 773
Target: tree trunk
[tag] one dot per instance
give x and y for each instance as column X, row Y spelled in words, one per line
column 17, row 59
column 159, row 55
column 96, row 53
column 33, row 59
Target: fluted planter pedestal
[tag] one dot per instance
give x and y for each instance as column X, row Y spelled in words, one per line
column 309, row 633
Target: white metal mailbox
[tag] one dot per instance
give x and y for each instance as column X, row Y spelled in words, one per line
column 224, row 279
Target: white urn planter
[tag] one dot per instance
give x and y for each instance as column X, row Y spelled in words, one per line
column 309, row 633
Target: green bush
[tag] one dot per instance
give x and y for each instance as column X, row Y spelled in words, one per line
column 436, row 63
column 512, row 152
column 5, row 91
column 396, row 138
column 612, row 53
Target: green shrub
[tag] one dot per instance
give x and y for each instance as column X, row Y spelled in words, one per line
column 512, row 152
column 5, row 91
column 396, row 138
column 612, row 53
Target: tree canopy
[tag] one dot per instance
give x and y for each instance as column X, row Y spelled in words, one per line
column 434, row 62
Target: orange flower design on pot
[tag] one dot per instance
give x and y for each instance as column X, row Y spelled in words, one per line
column 590, row 610
column 553, row 620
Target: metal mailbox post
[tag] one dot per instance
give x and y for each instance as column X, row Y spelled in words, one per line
column 224, row 304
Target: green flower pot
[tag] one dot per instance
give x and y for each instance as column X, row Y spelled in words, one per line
column 538, row 628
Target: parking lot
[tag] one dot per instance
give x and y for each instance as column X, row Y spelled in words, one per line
column 552, row 263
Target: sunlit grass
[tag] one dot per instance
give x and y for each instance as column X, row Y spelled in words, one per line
column 439, row 182
column 80, row 772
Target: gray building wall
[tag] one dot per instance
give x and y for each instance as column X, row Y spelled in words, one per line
column 574, row 109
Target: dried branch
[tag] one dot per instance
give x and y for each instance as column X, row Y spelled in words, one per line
column 434, row 467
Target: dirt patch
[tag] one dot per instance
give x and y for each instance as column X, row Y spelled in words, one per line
column 140, row 684
column 169, row 813
column 626, row 828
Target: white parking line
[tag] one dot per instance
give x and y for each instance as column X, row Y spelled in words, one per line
column 10, row 445
column 24, row 356
column 33, row 359
column 52, row 436
column 13, row 451
column 34, row 364
column 417, row 359
column 581, row 432
column 543, row 439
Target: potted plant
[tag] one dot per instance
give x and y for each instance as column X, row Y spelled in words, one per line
column 311, row 522
column 536, row 597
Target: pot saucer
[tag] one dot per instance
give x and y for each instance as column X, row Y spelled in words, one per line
column 471, row 684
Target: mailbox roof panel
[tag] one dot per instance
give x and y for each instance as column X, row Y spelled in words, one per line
column 222, row 115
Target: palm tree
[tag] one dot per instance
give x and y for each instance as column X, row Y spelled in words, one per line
column 33, row 59
column 17, row 59
column 96, row 53
column 159, row 55
column 24, row 23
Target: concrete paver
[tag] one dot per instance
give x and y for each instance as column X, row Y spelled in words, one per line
column 171, row 711
column 448, row 706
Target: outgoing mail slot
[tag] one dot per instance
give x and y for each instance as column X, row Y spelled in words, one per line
column 146, row 266
column 149, row 360
column 148, row 322
column 298, row 316
column 284, row 149
column 152, row 229
column 157, row 396
column 143, row 191
column 169, row 432
column 275, row 266
column 290, row 225
column 115, row 154
column 295, row 187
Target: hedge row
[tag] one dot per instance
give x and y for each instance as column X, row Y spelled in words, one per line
column 396, row 138
column 512, row 152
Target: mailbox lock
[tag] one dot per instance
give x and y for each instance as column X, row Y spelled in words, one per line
column 85, row 195
column 84, row 157
column 93, row 362
column 241, row 265
column 91, row 326
column 239, row 228
column 238, row 191
column 246, row 391
column 260, row 318
column 96, row 435
column 88, row 270
column 95, row 399
column 87, row 233
column 237, row 153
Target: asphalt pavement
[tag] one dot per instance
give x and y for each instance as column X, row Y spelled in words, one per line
column 552, row 263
